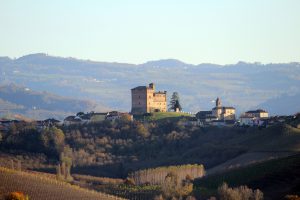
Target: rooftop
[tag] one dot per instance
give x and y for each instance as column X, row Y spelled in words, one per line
column 224, row 107
column 257, row 111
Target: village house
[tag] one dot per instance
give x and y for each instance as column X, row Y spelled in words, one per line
column 72, row 120
column 84, row 118
column 254, row 118
column 115, row 115
column 146, row 100
column 92, row 117
column 251, row 121
column 41, row 124
column 260, row 113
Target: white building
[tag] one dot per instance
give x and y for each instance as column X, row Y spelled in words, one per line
column 260, row 113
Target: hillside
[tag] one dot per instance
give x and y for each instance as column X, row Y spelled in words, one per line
column 276, row 178
column 39, row 105
column 243, row 85
column 115, row 149
column 38, row 187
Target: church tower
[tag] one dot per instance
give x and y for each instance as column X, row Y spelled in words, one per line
column 218, row 102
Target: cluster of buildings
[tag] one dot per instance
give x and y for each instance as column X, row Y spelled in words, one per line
column 78, row 119
column 254, row 118
column 146, row 100
column 225, row 116
column 85, row 118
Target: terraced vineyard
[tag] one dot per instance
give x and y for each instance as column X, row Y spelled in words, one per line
column 38, row 187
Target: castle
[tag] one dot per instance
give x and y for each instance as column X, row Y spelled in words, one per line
column 146, row 100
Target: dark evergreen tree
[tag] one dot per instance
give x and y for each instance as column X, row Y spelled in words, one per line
column 175, row 102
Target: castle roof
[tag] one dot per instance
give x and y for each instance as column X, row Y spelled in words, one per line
column 140, row 88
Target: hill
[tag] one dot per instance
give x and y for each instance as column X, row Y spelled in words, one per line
column 38, row 186
column 16, row 99
column 276, row 178
column 288, row 104
column 243, row 85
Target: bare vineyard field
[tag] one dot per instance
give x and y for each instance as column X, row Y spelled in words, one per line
column 39, row 187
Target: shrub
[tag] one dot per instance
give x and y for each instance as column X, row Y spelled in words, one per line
column 174, row 187
column 238, row 193
column 17, row 196
column 292, row 197
column 129, row 181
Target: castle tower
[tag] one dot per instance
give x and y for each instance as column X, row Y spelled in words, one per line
column 218, row 102
column 152, row 86
column 146, row 100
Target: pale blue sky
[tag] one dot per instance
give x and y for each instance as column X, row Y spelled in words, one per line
column 135, row 31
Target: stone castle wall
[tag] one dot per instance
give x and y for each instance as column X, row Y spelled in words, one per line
column 146, row 100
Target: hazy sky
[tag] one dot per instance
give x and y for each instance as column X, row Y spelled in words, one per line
column 135, row 31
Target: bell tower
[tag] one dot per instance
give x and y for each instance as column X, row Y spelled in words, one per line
column 218, row 102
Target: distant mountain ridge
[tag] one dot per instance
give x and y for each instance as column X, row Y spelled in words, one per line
column 39, row 105
column 242, row 85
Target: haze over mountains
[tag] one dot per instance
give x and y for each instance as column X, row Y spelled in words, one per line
column 274, row 87
column 16, row 100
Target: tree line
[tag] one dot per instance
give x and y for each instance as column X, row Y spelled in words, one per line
column 156, row 176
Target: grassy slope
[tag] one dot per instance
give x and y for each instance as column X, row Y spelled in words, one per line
column 163, row 115
column 270, row 143
column 38, row 186
column 275, row 178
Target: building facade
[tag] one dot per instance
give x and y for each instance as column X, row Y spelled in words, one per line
column 218, row 116
column 260, row 113
column 146, row 100
column 222, row 112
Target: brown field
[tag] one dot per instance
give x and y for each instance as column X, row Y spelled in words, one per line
column 38, row 186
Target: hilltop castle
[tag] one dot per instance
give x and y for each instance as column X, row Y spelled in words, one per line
column 146, row 100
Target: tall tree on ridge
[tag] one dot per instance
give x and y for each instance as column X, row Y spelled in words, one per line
column 175, row 102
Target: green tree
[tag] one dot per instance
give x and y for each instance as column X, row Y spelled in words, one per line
column 125, row 119
column 175, row 102
column 66, row 160
column 53, row 140
column 174, row 188
column 79, row 114
column 239, row 193
column 13, row 129
column 141, row 130
column 170, row 185
column 58, row 172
